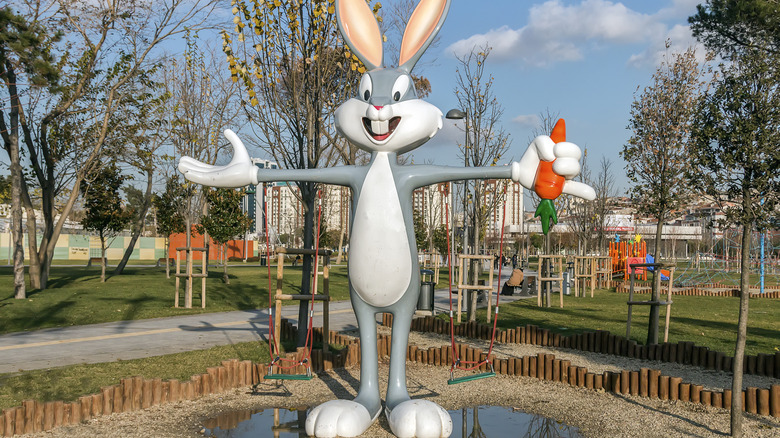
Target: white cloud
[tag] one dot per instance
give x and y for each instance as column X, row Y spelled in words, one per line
column 680, row 39
column 527, row 120
column 556, row 32
column 679, row 10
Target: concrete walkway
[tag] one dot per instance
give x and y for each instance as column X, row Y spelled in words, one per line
column 125, row 340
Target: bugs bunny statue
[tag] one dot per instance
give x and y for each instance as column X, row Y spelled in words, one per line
column 385, row 119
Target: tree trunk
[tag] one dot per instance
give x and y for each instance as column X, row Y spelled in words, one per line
column 308, row 196
column 102, row 258
column 12, row 137
column 20, row 291
column 167, row 257
column 139, row 225
column 739, row 350
column 652, row 328
column 225, row 277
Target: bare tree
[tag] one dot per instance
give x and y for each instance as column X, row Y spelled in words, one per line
column 605, row 188
column 486, row 142
column 581, row 212
column 202, row 103
column 657, row 154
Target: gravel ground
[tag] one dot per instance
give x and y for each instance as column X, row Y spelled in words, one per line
column 595, row 414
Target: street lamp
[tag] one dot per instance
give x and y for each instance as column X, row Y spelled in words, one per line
column 456, row 114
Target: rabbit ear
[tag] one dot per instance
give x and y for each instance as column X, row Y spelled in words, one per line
column 360, row 31
column 423, row 25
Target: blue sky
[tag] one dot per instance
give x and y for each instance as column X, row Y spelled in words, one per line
column 583, row 59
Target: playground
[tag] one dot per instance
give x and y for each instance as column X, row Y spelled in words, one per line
column 397, row 342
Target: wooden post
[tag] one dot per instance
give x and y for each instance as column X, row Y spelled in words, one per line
column 204, row 272
column 178, row 271
column 326, row 303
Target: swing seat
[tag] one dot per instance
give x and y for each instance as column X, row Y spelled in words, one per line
column 288, row 377
column 469, row 378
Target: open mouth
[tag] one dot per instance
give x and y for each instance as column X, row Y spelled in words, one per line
column 380, row 130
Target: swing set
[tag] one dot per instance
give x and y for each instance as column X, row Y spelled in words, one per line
column 457, row 362
column 278, row 362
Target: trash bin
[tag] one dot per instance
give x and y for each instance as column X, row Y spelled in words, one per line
column 425, row 301
column 568, row 278
column 263, row 260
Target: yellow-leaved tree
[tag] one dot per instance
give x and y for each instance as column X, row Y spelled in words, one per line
column 294, row 71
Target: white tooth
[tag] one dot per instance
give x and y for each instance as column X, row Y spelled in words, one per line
column 380, row 126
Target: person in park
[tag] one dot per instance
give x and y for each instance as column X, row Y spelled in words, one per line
column 386, row 119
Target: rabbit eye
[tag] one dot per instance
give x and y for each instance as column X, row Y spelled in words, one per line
column 400, row 87
column 365, row 87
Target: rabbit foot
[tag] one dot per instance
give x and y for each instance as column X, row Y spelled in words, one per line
column 420, row 419
column 343, row 418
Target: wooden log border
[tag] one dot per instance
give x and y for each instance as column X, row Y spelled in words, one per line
column 136, row 393
column 600, row 341
column 706, row 290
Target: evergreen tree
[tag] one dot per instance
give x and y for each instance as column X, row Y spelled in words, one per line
column 729, row 26
column 168, row 216
column 104, row 212
column 225, row 220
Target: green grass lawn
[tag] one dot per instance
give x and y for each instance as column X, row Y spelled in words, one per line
column 707, row 321
column 76, row 296
column 71, row 382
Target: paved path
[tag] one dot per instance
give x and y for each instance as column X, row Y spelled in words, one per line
column 125, row 340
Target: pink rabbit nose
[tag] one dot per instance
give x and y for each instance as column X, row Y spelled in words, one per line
column 378, row 108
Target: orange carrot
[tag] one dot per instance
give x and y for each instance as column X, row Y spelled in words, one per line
column 548, row 184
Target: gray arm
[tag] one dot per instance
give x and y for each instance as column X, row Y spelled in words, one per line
column 420, row 176
column 341, row 175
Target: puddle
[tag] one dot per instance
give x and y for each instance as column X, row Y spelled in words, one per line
column 481, row 421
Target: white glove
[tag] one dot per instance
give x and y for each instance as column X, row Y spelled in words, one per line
column 238, row 173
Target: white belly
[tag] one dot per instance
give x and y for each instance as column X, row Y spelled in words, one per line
column 380, row 261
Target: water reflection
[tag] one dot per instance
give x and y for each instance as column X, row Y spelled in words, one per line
column 498, row 421
column 473, row 422
column 282, row 423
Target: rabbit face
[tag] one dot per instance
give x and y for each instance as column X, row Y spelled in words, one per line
column 386, row 116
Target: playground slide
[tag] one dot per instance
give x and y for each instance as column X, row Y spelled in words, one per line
column 664, row 273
